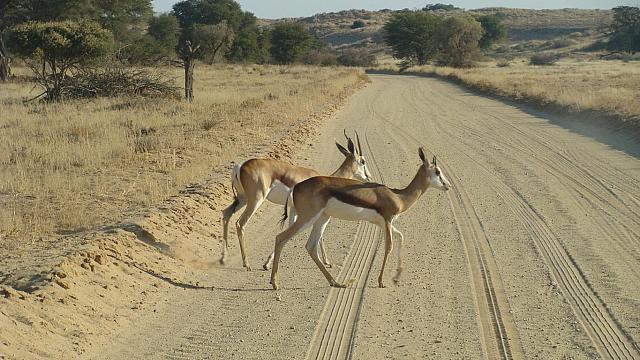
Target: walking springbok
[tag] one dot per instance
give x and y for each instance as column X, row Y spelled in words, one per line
column 317, row 199
column 255, row 180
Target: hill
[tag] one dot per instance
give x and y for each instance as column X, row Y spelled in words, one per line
column 522, row 24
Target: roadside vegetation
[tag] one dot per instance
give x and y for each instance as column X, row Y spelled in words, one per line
column 93, row 128
column 72, row 166
column 607, row 87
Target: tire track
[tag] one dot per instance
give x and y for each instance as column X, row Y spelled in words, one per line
column 607, row 336
column 337, row 325
column 499, row 334
column 622, row 235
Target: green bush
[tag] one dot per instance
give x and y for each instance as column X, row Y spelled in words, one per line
column 289, row 41
column 358, row 24
column 459, row 37
column 53, row 49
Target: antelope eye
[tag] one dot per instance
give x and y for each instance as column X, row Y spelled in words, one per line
column 438, row 172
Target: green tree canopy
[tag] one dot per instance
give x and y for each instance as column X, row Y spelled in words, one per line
column 626, row 29
column 458, row 40
column 211, row 12
column 245, row 47
column 165, row 30
column 213, row 40
column 52, row 49
column 289, row 41
column 493, row 30
column 412, row 36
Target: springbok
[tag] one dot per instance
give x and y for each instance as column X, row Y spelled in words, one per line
column 255, row 180
column 317, row 199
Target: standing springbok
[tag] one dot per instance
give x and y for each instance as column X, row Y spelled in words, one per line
column 255, row 180
column 319, row 198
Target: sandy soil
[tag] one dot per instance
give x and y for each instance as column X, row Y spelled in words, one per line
column 535, row 253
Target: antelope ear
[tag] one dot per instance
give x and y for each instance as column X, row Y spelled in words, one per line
column 351, row 146
column 422, row 156
column 344, row 151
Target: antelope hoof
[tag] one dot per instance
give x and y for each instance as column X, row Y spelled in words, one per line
column 265, row 267
column 381, row 285
column 247, row 267
column 222, row 261
column 338, row 285
column 275, row 285
column 328, row 264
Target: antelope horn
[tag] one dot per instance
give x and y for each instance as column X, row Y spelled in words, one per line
column 358, row 141
column 345, row 134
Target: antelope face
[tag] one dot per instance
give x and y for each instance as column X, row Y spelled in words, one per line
column 436, row 177
column 362, row 172
column 438, row 180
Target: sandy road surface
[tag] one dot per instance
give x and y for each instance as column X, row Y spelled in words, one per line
column 535, row 253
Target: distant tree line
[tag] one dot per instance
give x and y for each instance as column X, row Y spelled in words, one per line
column 417, row 37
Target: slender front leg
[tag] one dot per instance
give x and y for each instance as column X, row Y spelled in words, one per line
column 238, row 203
column 313, row 248
column 388, row 246
column 401, row 240
column 252, row 206
column 325, row 258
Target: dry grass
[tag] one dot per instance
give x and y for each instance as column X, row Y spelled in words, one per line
column 611, row 87
column 78, row 165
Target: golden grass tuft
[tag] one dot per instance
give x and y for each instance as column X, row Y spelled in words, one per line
column 78, row 165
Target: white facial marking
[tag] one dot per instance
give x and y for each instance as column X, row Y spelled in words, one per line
column 362, row 172
column 438, row 180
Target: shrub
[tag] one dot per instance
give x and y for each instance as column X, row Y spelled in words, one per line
column 117, row 80
column 493, row 30
column 358, row 24
column 356, row 57
column 320, row 57
column 560, row 43
column 458, row 39
column 543, row 59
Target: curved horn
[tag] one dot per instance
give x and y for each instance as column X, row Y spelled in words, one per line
column 358, row 141
column 345, row 134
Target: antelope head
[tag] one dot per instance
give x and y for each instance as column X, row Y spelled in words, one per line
column 362, row 172
column 434, row 173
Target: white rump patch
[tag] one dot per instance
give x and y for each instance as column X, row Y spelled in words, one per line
column 278, row 192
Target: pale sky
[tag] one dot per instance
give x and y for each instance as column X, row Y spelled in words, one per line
column 274, row 9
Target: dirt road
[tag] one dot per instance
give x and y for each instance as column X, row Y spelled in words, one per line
column 535, row 253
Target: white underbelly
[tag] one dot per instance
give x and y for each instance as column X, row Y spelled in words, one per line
column 278, row 192
column 340, row 210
